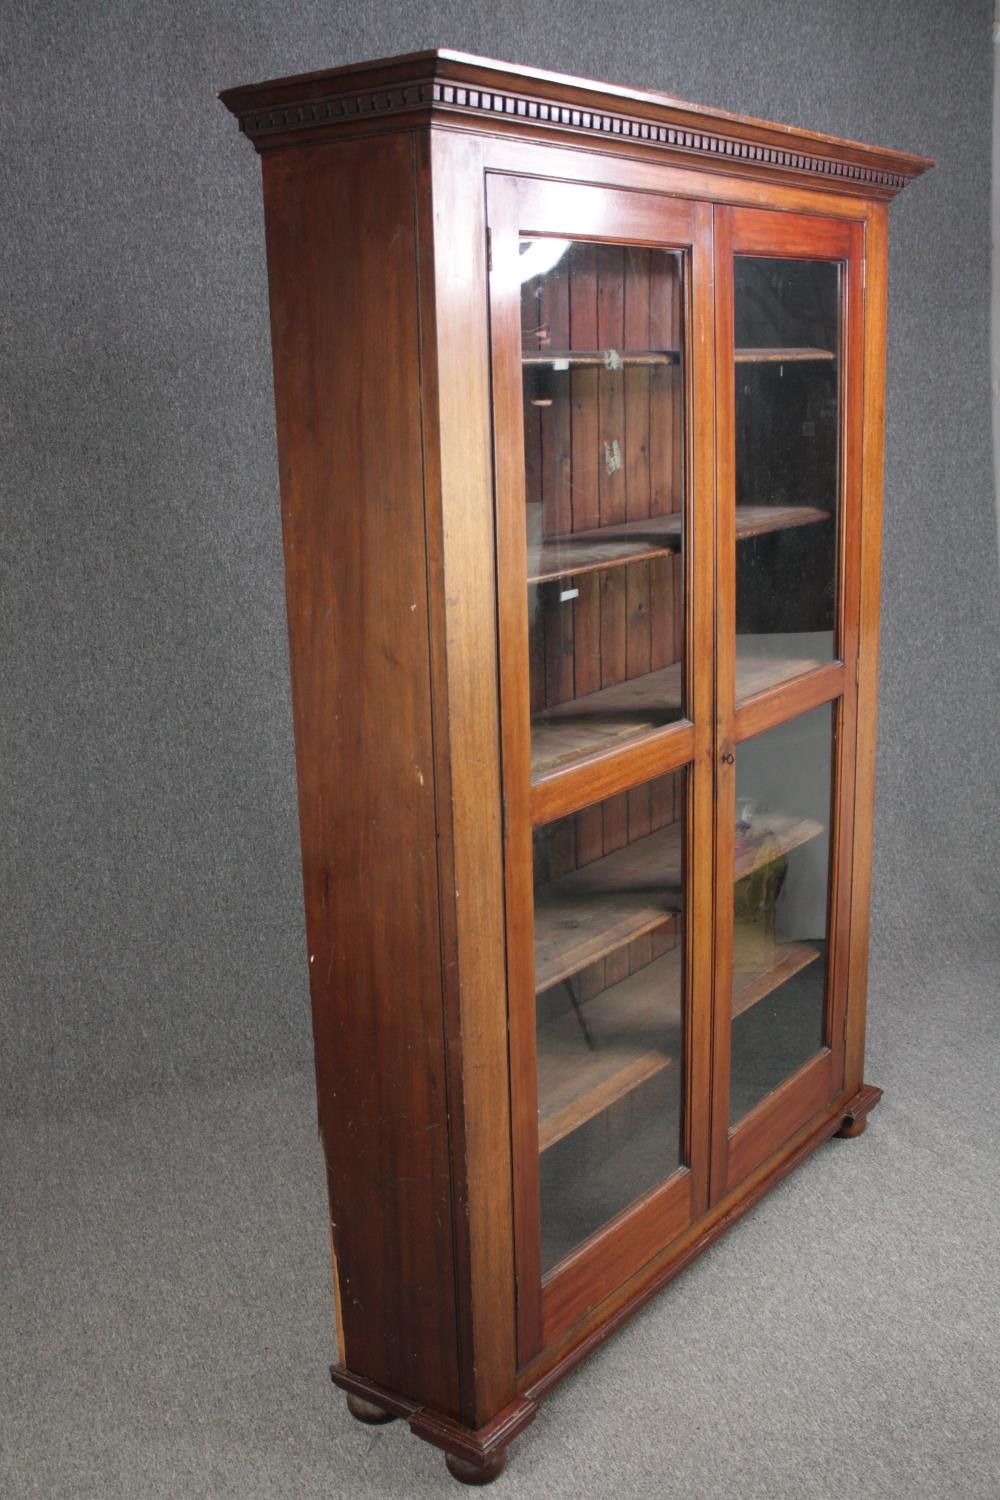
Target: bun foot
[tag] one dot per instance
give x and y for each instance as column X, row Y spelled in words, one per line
column 364, row 1411
column 852, row 1127
column 467, row 1473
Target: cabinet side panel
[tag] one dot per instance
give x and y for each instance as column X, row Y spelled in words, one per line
column 876, row 253
column 343, row 281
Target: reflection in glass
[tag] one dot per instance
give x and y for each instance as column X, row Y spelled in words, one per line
column 787, row 466
column 783, row 790
column 602, row 348
column 609, row 980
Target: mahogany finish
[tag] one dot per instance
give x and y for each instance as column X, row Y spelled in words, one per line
column 466, row 685
column 361, row 670
column 469, row 1473
column 368, row 1413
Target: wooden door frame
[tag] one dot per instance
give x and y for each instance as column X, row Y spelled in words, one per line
column 518, row 206
column 807, row 1092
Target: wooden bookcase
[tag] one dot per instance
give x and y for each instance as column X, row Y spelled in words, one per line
column 579, row 399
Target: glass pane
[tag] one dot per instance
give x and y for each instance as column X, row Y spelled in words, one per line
column 602, row 344
column 609, row 979
column 787, row 467
column 783, row 791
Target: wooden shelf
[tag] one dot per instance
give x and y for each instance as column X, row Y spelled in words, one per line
column 782, row 356
column 584, row 916
column 603, row 547
column 756, row 674
column 577, row 552
column 757, row 520
column 634, row 1030
column 605, row 359
column 752, row 984
column 599, row 721
column 773, row 834
column 619, row 359
column 591, row 912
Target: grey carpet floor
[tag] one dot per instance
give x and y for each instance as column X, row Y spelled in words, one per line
column 166, row 1311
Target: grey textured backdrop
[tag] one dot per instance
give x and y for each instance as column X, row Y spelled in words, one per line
column 152, row 927
column 164, row 1289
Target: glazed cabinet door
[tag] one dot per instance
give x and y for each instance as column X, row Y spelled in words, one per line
column 788, row 343
column 601, row 338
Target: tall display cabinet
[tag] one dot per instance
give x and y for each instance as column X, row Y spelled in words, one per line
column 579, row 405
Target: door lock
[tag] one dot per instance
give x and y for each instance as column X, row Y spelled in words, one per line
column 728, row 757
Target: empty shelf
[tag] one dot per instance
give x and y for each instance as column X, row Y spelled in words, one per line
column 607, row 359
column 603, row 547
column 634, row 1031
column 588, row 551
column 752, row 984
column 589, row 913
column 599, row 721
column 782, row 356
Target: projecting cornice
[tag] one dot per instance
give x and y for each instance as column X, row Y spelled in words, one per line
column 454, row 88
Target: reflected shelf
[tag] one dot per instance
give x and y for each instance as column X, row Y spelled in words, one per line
column 576, row 552
column 633, row 1031
column 597, row 909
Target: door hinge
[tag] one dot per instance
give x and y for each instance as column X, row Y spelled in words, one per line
column 503, row 818
column 517, row 1291
column 489, row 248
column 864, row 272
